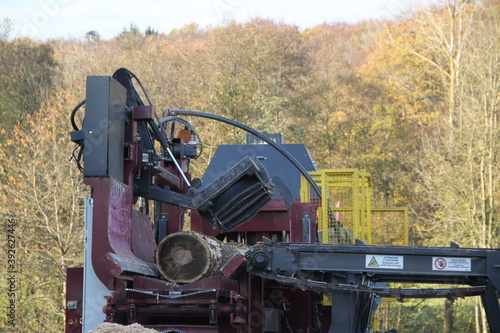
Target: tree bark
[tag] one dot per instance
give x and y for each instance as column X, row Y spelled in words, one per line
column 448, row 316
column 185, row 257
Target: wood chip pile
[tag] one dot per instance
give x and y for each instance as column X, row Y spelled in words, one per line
column 117, row 328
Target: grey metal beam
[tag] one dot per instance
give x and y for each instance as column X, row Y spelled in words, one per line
column 325, row 263
column 354, row 269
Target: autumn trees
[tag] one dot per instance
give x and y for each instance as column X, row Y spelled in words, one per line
column 41, row 189
column 431, row 63
column 454, row 112
column 26, row 75
column 413, row 101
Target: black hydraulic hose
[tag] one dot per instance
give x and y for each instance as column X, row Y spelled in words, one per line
column 257, row 134
column 73, row 112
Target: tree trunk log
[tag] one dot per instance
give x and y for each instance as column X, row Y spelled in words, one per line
column 448, row 316
column 185, row 257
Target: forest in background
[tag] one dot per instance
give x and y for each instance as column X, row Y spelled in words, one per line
column 414, row 101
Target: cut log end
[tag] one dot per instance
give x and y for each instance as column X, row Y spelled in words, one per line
column 183, row 257
column 186, row 257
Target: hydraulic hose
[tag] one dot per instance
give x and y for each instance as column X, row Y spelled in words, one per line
column 250, row 130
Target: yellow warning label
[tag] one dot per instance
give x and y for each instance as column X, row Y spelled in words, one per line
column 382, row 261
column 373, row 263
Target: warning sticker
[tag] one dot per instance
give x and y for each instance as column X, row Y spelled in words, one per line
column 451, row 264
column 383, row 261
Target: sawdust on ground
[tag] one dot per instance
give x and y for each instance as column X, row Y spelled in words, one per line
column 117, row 328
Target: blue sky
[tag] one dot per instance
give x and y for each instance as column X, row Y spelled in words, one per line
column 45, row 19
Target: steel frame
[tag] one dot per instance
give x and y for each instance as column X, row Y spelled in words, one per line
column 333, row 268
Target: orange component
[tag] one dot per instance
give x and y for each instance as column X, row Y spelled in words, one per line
column 185, row 135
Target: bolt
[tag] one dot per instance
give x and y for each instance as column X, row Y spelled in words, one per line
column 260, row 260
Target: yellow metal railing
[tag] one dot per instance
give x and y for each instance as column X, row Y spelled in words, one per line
column 344, row 211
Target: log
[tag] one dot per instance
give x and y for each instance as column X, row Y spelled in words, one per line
column 185, row 257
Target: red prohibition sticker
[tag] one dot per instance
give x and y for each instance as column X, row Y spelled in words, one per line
column 440, row 263
column 452, row 264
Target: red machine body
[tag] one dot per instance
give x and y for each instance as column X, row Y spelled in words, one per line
column 121, row 249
